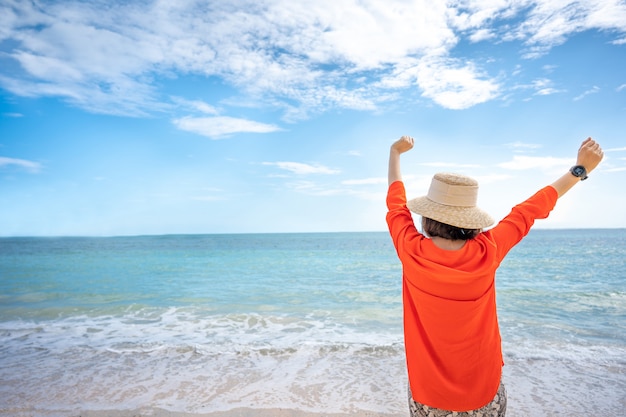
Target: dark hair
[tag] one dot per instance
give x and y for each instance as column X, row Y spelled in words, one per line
column 434, row 228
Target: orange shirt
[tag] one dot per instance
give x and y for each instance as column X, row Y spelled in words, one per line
column 452, row 338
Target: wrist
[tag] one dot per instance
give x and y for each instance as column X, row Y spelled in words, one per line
column 395, row 152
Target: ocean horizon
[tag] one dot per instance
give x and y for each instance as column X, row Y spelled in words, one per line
column 156, row 234
column 300, row 321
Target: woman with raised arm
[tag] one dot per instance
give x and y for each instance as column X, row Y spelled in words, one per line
column 451, row 333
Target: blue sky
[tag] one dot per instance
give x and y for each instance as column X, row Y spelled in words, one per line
column 277, row 116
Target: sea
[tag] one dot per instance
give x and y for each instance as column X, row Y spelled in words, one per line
column 307, row 322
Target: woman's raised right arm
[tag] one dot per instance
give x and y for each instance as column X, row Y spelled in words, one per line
column 404, row 144
column 589, row 156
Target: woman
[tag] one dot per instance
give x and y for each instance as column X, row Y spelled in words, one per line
column 452, row 338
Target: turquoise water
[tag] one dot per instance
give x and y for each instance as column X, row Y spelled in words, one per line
column 202, row 323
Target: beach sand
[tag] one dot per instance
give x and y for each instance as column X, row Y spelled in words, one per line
column 239, row 412
column 156, row 412
column 536, row 387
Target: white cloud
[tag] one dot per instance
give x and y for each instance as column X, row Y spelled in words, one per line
column 541, row 86
column 196, row 105
column 523, row 146
column 363, row 35
column 521, row 162
column 221, row 126
column 544, row 87
column 549, row 68
column 365, row 181
column 593, row 90
column 491, row 179
column 448, row 165
column 549, row 22
column 275, row 49
column 482, row 35
column 300, row 57
column 31, row 166
column 453, row 84
column 473, row 15
column 303, row 169
column 324, row 190
column 547, row 91
column 313, row 189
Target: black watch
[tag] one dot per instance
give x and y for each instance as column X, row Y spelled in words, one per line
column 579, row 171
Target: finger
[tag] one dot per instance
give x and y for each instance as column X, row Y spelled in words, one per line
column 586, row 142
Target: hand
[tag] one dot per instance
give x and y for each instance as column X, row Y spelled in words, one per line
column 589, row 155
column 404, row 144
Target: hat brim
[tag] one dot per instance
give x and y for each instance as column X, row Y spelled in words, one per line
column 463, row 217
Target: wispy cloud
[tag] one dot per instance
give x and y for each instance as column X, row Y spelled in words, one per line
column 451, row 83
column 365, row 181
column 300, row 57
column 222, row 126
column 31, row 166
column 540, row 86
column 549, row 23
column 482, row 35
column 521, row 162
column 450, row 165
column 303, row 169
column 522, row 146
column 455, row 85
column 593, row 90
column 544, row 87
column 314, row 189
column 344, row 188
column 493, row 178
column 196, row 105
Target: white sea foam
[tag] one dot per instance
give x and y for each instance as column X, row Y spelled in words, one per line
column 182, row 359
column 183, row 362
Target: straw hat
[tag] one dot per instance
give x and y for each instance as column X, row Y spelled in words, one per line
column 451, row 200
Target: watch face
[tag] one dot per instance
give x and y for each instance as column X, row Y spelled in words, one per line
column 578, row 171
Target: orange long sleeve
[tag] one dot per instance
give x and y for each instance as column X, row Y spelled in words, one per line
column 452, row 338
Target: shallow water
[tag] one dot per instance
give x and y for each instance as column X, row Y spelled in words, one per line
column 299, row 321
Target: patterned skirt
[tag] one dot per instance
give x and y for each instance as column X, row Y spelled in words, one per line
column 496, row 408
